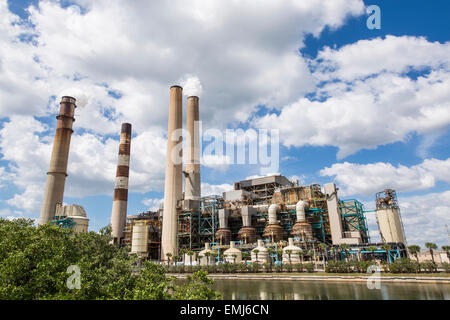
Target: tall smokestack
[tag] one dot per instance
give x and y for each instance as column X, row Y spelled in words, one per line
column 119, row 209
column 57, row 173
column 174, row 171
column 192, row 186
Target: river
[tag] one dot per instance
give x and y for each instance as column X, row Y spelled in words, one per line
column 327, row 290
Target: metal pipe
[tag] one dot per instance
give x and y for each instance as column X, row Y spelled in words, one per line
column 300, row 210
column 273, row 213
column 120, row 201
column 57, row 173
column 173, row 178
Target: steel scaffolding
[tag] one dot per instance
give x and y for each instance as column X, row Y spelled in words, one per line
column 353, row 218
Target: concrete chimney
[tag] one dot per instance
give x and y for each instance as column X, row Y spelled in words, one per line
column 174, row 171
column 192, row 185
column 119, row 209
column 57, row 173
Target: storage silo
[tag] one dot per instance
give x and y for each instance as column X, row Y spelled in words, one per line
column 139, row 239
column 389, row 218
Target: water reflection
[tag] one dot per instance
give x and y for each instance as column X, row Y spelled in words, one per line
column 321, row 290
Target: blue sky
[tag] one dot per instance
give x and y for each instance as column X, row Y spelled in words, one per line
column 367, row 109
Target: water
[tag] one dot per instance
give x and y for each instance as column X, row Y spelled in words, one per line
column 327, row 290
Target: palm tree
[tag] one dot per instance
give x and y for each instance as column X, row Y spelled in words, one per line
column 323, row 249
column 333, row 249
column 386, row 248
column 301, row 253
column 256, row 251
column 414, row 250
column 289, row 252
column 372, row 249
column 280, row 254
column 447, row 250
column 431, row 246
column 169, row 255
column 182, row 255
column 199, row 258
column 270, row 251
column 344, row 247
column 207, row 255
column 190, row 254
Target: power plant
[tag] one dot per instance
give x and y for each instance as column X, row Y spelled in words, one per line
column 258, row 218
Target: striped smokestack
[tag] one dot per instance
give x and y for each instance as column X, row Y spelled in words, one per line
column 192, row 174
column 119, row 209
column 57, row 173
column 174, row 171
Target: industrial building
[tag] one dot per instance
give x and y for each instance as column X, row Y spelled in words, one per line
column 260, row 213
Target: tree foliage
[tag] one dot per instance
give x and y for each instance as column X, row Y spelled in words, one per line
column 34, row 263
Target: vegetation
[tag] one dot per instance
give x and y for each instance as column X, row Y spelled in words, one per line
column 34, row 263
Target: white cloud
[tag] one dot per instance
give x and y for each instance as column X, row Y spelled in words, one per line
column 218, row 189
column 153, row 204
column 92, row 162
column 370, row 57
column 366, row 113
column 424, row 218
column 367, row 179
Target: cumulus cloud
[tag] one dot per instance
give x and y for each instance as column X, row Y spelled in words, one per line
column 24, row 143
column 374, row 103
column 215, row 189
column 424, row 218
column 367, row 179
column 153, row 204
column 371, row 57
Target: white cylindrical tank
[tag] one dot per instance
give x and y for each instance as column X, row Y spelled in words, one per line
column 139, row 240
column 232, row 255
column 204, row 260
column 390, row 225
column 263, row 254
column 273, row 213
column 295, row 256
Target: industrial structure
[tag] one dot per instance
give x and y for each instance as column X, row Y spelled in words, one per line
column 53, row 210
column 260, row 218
column 258, row 214
column 120, row 201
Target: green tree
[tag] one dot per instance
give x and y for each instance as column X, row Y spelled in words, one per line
column 169, row 255
column 386, row 249
column 431, row 246
column 207, row 255
column 270, row 251
column 289, row 253
column 372, row 250
column 344, row 247
column 323, row 251
column 256, row 251
column 414, row 250
column 34, row 263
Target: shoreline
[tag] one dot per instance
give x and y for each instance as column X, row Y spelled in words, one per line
column 331, row 278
